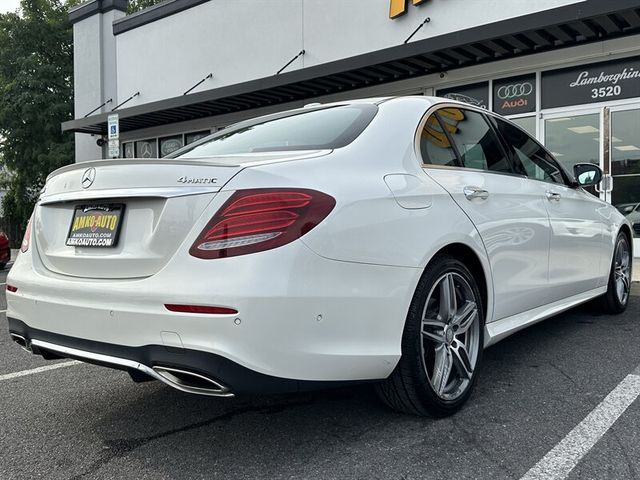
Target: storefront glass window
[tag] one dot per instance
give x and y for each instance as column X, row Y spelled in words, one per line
column 127, row 150
column 146, row 149
column 476, row 94
column 195, row 136
column 574, row 139
column 170, row 144
column 625, row 165
column 528, row 124
column 625, row 143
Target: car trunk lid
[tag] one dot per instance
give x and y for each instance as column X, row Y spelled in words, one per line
column 161, row 201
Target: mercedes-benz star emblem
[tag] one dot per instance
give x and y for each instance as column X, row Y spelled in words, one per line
column 88, row 177
column 146, row 150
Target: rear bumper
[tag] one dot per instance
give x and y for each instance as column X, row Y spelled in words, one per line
column 300, row 317
column 225, row 378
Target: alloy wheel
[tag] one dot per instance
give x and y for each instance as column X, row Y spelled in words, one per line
column 450, row 340
column 622, row 270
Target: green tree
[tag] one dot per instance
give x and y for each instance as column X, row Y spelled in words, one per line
column 137, row 5
column 36, row 95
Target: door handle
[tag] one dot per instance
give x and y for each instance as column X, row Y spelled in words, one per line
column 473, row 193
column 553, row 196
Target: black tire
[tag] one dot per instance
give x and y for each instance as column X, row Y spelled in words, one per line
column 2, row 265
column 409, row 388
column 611, row 302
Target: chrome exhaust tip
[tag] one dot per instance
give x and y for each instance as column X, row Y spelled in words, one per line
column 20, row 340
column 183, row 380
column 191, row 382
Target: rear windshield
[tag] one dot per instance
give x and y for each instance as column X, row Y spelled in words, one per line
column 324, row 128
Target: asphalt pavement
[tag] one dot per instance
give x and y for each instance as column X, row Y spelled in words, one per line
column 83, row 422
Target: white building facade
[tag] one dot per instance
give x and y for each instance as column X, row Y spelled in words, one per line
column 567, row 71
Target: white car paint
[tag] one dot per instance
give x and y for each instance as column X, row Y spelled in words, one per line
column 332, row 304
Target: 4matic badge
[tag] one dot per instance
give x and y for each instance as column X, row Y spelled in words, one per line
column 198, row 180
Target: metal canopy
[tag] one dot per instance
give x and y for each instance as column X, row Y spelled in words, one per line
column 584, row 22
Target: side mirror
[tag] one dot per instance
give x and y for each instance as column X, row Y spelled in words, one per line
column 587, row 174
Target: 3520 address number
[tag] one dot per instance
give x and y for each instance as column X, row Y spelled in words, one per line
column 605, row 92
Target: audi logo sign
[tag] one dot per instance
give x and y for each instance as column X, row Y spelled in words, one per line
column 516, row 90
column 514, row 95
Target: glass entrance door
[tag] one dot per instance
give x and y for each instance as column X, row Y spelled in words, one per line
column 574, row 138
column 624, row 163
column 609, row 137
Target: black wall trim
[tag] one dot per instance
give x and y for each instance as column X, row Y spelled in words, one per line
column 92, row 7
column 152, row 14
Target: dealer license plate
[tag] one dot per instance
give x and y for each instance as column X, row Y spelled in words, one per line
column 95, row 225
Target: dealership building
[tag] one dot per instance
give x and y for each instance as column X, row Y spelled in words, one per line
column 567, row 71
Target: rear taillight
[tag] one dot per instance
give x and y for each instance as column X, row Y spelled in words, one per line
column 26, row 240
column 261, row 219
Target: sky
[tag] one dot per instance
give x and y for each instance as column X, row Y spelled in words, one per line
column 9, row 5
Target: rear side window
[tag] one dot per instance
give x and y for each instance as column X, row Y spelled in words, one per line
column 435, row 144
column 455, row 136
column 324, row 128
column 531, row 159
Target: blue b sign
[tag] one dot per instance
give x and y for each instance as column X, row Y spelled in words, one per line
column 113, row 126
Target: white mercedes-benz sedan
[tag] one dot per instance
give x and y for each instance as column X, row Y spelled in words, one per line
column 384, row 240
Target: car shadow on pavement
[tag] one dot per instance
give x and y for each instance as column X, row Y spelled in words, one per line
column 534, row 386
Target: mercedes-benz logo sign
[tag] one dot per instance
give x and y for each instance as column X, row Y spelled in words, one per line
column 88, row 177
column 515, row 91
column 146, row 150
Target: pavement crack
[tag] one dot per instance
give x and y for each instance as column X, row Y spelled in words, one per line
column 118, row 448
column 625, row 454
column 563, row 373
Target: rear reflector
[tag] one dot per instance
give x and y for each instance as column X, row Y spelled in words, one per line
column 201, row 309
column 261, row 219
column 11, row 288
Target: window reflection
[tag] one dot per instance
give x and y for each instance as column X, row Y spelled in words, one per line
column 475, row 144
column 434, row 142
column 625, row 143
column 574, row 139
column 528, row 124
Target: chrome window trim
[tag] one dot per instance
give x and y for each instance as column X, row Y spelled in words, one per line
column 438, row 106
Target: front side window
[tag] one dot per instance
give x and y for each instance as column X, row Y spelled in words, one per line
column 531, row 159
column 318, row 129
